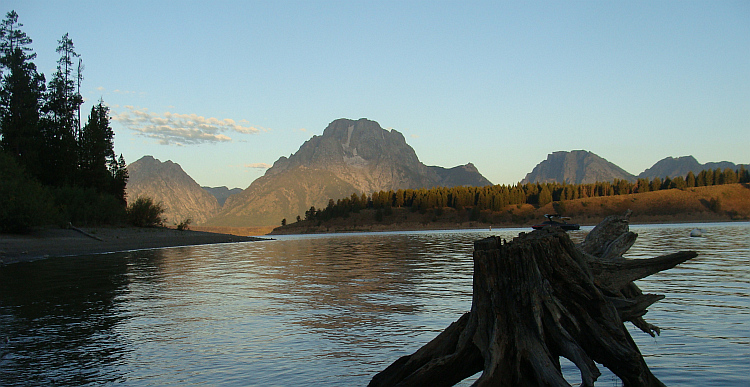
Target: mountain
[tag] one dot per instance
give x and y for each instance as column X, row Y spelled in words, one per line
column 680, row 166
column 576, row 167
column 167, row 183
column 349, row 157
column 462, row 175
column 222, row 193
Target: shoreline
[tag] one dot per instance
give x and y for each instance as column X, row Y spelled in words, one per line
column 476, row 225
column 57, row 242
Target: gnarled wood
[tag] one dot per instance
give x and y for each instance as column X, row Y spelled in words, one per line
column 537, row 298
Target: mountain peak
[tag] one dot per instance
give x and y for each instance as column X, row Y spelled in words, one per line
column 167, row 182
column 575, row 167
column 681, row 166
column 351, row 156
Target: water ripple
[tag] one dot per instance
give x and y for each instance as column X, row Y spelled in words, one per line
column 328, row 309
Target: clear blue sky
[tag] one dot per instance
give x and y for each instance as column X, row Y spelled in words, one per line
column 226, row 87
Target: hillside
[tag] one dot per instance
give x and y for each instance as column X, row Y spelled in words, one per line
column 576, row 167
column 665, row 206
column 349, row 157
column 167, row 183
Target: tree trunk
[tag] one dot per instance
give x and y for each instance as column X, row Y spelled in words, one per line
column 540, row 297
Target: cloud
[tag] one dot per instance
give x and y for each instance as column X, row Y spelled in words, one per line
column 179, row 129
column 258, row 165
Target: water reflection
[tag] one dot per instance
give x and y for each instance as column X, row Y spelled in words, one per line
column 58, row 315
column 325, row 310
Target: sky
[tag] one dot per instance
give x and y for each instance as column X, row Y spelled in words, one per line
column 225, row 88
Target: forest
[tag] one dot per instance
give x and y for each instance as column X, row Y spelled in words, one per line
column 53, row 166
column 498, row 197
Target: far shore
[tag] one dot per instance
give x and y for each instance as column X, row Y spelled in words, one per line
column 302, row 230
column 58, row 242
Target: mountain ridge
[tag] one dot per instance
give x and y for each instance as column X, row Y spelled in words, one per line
column 681, row 166
column 351, row 156
column 576, row 167
column 168, row 183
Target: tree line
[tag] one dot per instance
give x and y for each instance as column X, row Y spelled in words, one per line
column 497, row 197
column 41, row 131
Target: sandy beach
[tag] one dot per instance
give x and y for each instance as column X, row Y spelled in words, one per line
column 56, row 242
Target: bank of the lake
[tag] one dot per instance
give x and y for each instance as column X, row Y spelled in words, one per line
column 57, row 242
column 691, row 205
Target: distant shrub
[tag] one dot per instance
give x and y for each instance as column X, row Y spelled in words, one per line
column 24, row 202
column 144, row 212
column 184, row 225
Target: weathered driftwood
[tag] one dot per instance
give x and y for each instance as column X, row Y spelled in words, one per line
column 540, row 297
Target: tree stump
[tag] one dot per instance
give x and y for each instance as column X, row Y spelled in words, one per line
column 540, row 297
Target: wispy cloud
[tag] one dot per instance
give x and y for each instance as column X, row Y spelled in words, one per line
column 258, row 165
column 180, row 129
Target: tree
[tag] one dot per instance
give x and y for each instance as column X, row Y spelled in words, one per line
column 21, row 95
column 743, row 176
column 60, row 124
column 310, row 214
column 119, row 171
column 283, row 222
column 545, row 196
column 680, row 183
column 96, row 150
column 656, row 184
column 690, row 179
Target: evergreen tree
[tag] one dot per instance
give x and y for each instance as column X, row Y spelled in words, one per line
column 690, row 179
column 21, row 95
column 545, row 196
column 61, row 126
column 718, row 177
column 656, row 184
column 96, row 151
column 743, row 176
column 729, row 176
column 119, row 172
column 680, row 183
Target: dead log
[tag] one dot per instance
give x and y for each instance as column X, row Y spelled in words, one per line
column 536, row 299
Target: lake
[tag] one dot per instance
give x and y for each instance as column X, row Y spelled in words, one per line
column 330, row 310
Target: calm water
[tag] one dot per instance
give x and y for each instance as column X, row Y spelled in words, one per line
column 329, row 310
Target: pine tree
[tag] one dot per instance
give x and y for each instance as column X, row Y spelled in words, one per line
column 21, row 95
column 545, row 196
column 96, row 149
column 690, row 179
column 119, row 172
column 743, row 175
column 60, row 124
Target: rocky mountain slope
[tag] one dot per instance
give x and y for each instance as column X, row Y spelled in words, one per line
column 680, row 166
column 349, row 157
column 576, row 167
column 166, row 182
